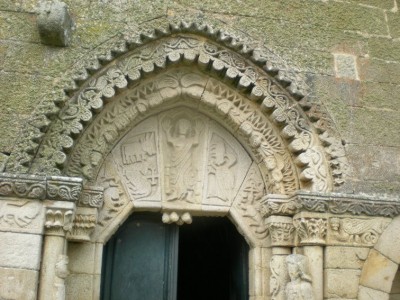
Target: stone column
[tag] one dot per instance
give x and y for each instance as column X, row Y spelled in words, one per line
column 311, row 231
column 59, row 217
column 281, row 233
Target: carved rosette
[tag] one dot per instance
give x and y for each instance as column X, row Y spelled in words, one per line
column 281, row 231
column 311, row 228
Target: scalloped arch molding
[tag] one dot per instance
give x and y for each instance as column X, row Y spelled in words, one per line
column 219, row 75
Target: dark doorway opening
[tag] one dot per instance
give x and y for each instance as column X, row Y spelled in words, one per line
column 149, row 260
column 213, row 261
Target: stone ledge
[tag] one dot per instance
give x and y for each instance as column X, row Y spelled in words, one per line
column 330, row 203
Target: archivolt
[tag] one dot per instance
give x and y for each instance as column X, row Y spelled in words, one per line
column 212, row 53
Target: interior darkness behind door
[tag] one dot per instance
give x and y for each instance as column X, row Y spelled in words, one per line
column 213, row 261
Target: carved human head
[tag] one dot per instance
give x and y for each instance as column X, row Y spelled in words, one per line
column 298, row 267
column 335, row 223
column 183, row 126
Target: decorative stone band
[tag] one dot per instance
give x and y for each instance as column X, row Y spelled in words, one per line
column 338, row 204
column 40, row 187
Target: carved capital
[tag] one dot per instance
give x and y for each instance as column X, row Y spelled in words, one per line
column 311, row 228
column 83, row 225
column 59, row 218
column 281, row 231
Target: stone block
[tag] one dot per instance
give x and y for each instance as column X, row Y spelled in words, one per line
column 384, row 48
column 378, row 164
column 18, row 284
column 79, row 287
column 81, row 257
column 394, row 24
column 388, row 245
column 385, row 4
column 396, row 284
column 346, row 66
column 12, row 123
column 379, row 95
column 20, row 250
column 379, row 71
column 365, row 293
column 370, row 127
column 341, row 15
column 22, row 93
column 355, row 257
column 341, row 283
column 378, row 272
column 18, row 26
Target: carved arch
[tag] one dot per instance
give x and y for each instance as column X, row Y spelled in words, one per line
column 214, row 52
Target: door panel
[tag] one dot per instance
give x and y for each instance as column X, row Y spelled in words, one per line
column 140, row 261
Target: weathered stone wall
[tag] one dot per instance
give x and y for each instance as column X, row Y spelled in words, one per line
column 347, row 50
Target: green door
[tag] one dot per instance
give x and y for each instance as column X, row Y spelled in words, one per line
column 141, row 261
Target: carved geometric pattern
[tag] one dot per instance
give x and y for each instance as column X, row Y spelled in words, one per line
column 148, row 55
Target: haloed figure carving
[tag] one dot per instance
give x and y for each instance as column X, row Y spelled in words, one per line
column 299, row 287
column 181, row 172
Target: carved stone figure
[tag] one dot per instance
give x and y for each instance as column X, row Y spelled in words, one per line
column 181, row 171
column 356, row 231
column 62, row 272
column 221, row 175
column 299, row 287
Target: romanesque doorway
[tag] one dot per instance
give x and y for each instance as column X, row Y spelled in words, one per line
column 148, row 260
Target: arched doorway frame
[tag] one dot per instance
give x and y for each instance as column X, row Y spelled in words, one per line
column 240, row 75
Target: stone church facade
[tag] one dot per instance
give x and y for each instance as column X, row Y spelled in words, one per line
column 281, row 116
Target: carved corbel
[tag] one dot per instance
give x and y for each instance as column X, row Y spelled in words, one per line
column 174, row 217
column 311, row 228
column 86, row 218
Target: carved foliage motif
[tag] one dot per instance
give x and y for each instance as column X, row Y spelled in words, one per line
column 311, row 230
column 281, row 231
column 185, row 48
column 58, row 220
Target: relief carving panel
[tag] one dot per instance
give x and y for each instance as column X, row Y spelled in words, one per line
column 136, row 158
column 183, row 156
